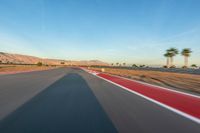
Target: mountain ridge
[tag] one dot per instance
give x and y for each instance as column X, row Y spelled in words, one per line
column 12, row 58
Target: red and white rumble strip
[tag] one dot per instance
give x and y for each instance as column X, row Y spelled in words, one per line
column 185, row 104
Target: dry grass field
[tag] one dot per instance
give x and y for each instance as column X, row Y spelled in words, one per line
column 187, row 82
column 9, row 69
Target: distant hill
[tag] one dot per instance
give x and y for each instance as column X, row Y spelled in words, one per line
column 26, row 59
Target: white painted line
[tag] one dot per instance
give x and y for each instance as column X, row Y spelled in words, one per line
column 156, row 102
column 144, row 83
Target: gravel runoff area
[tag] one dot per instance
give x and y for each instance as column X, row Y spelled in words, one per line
column 12, row 69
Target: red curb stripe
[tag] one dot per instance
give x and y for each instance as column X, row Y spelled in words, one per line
column 182, row 102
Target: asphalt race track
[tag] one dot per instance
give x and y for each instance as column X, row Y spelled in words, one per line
column 70, row 100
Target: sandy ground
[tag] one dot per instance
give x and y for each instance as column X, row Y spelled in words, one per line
column 11, row 69
column 185, row 82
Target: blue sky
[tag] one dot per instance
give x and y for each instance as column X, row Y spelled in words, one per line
column 131, row 31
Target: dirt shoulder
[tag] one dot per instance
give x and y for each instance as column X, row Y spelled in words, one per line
column 11, row 69
column 184, row 82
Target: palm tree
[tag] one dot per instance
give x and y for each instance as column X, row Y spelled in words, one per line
column 186, row 53
column 172, row 52
column 167, row 55
column 117, row 64
column 134, row 65
column 39, row 64
column 124, row 64
column 142, row 66
column 194, row 65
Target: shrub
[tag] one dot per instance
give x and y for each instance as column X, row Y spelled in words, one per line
column 62, row 63
column 134, row 65
column 184, row 67
column 194, row 65
column 165, row 66
column 39, row 64
column 173, row 66
column 142, row 66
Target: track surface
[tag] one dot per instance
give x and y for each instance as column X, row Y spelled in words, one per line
column 71, row 100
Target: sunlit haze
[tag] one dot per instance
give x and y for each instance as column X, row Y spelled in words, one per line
column 131, row 31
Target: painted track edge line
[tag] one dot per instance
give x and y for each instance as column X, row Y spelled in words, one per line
column 148, row 84
column 156, row 102
column 152, row 85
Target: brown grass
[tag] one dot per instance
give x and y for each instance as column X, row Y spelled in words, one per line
column 186, row 82
column 9, row 69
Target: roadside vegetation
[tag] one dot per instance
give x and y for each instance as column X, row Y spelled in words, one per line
column 186, row 53
column 39, row 64
column 16, row 68
column 170, row 54
column 185, row 78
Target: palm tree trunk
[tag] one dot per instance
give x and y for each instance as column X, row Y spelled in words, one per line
column 186, row 61
column 167, row 62
column 171, row 61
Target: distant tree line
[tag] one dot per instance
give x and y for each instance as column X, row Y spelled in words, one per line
column 39, row 64
column 170, row 54
column 124, row 65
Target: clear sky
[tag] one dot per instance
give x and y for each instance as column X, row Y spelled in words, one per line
column 131, row 31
